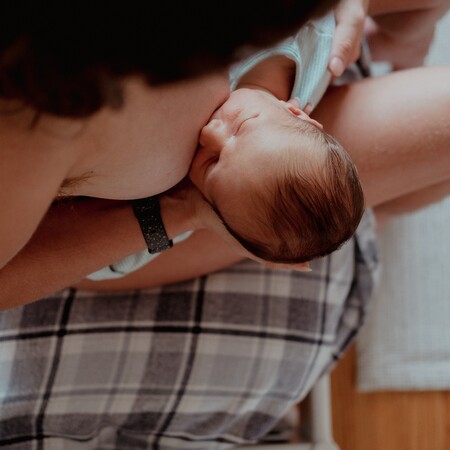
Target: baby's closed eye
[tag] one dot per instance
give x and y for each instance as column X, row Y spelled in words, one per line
column 245, row 121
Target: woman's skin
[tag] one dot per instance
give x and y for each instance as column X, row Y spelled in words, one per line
column 91, row 234
column 400, row 143
column 399, row 31
column 113, row 154
column 125, row 154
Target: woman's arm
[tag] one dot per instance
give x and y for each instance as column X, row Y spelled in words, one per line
column 74, row 239
column 78, row 237
column 203, row 252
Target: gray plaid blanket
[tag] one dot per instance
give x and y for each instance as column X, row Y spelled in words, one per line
column 208, row 364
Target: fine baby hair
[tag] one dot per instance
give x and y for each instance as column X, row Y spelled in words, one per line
column 312, row 204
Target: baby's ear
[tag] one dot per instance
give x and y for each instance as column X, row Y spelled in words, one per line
column 302, row 114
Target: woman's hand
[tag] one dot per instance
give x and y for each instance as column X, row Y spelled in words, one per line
column 183, row 208
column 350, row 16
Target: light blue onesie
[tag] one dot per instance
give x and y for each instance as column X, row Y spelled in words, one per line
column 310, row 50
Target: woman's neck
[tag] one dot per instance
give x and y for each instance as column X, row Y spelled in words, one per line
column 275, row 75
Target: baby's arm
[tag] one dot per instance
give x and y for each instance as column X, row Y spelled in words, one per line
column 275, row 74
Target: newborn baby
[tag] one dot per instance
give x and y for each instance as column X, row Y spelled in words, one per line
column 284, row 189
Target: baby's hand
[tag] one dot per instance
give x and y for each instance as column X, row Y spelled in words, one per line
column 294, row 107
column 307, row 109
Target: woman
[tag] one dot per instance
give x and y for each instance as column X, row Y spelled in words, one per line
column 122, row 60
column 215, row 362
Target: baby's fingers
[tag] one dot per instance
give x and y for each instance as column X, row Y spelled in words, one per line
column 308, row 108
column 296, row 103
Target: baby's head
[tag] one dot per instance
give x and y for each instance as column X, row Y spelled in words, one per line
column 287, row 191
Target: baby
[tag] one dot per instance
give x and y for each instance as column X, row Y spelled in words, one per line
column 284, row 189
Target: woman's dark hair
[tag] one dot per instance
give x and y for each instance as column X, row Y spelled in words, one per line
column 67, row 57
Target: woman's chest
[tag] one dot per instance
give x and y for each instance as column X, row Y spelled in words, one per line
column 147, row 147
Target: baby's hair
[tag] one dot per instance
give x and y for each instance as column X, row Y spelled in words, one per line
column 307, row 213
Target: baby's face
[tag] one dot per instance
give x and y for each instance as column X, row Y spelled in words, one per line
column 240, row 149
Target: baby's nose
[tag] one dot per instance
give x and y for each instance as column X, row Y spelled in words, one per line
column 213, row 135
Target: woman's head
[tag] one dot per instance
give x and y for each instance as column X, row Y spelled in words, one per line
column 67, row 58
column 287, row 191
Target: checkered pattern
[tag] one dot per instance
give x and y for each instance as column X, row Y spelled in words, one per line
column 207, row 364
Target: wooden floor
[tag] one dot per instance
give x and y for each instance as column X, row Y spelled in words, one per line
column 387, row 420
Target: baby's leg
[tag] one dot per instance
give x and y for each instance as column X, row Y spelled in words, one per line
column 396, row 128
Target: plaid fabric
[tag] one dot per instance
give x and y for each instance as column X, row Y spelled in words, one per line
column 207, row 364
